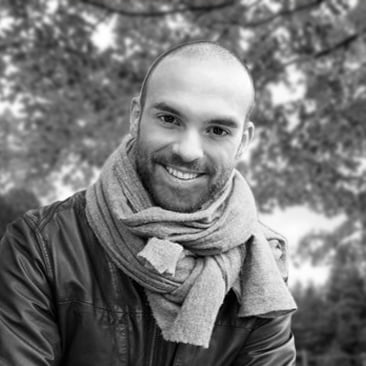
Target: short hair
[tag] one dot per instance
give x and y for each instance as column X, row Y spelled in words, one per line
column 201, row 49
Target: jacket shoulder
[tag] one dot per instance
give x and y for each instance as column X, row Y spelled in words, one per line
column 43, row 231
column 45, row 216
column 279, row 249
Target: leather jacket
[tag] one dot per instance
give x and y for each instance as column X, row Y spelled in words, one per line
column 63, row 302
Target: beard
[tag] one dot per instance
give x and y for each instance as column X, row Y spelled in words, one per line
column 175, row 198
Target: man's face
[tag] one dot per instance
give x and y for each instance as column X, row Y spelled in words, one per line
column 191, row 130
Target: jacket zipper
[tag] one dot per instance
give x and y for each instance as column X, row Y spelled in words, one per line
column 153, row 341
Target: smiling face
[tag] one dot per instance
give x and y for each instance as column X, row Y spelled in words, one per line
column 191, row 129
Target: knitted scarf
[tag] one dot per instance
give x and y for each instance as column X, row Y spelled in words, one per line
column 187, row 262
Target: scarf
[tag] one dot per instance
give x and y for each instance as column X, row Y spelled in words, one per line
column 187, row 262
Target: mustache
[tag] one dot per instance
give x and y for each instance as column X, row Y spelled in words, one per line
column 200, row 166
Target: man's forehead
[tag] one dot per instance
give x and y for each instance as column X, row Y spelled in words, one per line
column 222, row 64
column 210, row 74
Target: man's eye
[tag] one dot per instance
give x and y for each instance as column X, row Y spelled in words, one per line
column 218, row 131
column 168, row 119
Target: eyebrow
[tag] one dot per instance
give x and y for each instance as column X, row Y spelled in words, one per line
column 167, row 108
column 224, row 121
column 228, row 122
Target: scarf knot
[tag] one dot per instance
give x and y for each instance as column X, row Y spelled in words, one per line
column 162, row 255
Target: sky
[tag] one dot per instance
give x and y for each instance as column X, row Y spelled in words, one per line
column 293, row 224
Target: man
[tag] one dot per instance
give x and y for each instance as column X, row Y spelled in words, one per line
column 162, row 261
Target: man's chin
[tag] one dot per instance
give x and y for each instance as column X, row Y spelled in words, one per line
column 176, row 203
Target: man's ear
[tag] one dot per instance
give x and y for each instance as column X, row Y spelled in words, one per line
column 135, row 114
column 247, row 137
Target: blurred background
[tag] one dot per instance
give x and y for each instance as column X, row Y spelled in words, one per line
column 68, row 70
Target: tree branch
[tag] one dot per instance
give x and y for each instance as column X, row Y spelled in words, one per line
column 283, row 13
column 158, row 13
column 280, row 14
column 344, row 43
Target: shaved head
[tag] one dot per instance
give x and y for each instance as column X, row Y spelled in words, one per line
column 191, row 124
column 199, row 51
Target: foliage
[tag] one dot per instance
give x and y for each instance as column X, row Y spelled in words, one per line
column 310, row 322
column 333, row 318
column 72, row 94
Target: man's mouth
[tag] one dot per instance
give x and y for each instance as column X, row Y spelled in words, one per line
column 181, row 174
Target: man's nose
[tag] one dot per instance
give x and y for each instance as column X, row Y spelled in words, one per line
column 189, row 146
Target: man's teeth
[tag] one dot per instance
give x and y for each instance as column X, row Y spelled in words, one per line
column 181, row 175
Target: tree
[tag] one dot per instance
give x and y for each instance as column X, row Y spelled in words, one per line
column 311, row 323
column 332, row 319
column 73, row 95
column 346, row 296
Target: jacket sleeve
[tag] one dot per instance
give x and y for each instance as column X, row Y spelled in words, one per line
column 270, row 343
column 28, row 330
